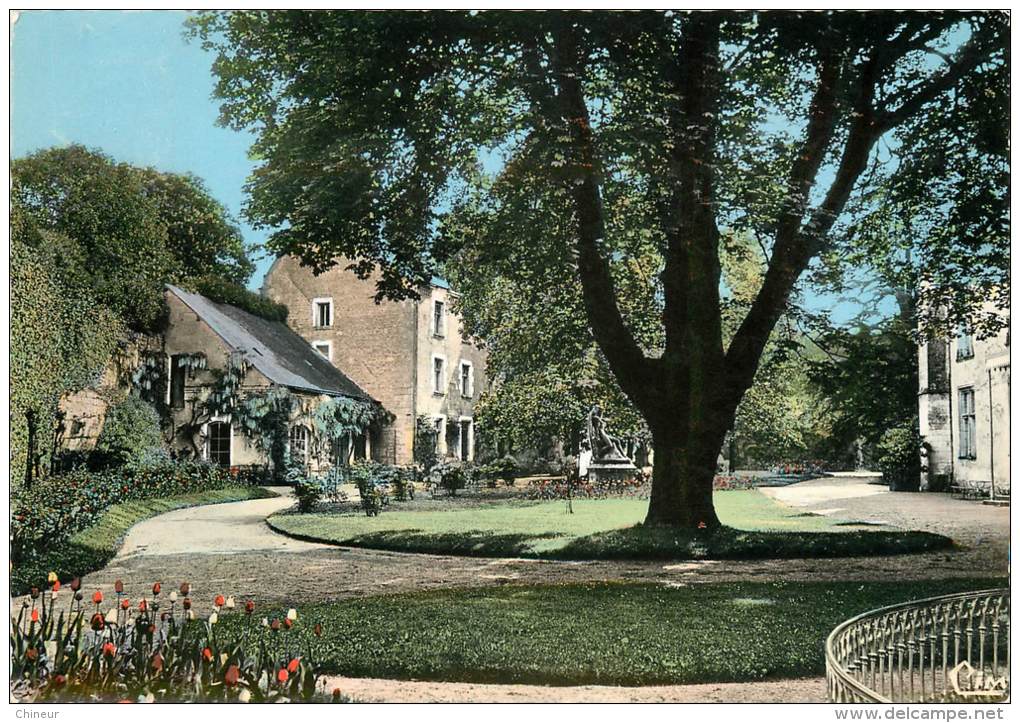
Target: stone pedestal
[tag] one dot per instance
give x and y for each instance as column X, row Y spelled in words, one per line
column 602, row 472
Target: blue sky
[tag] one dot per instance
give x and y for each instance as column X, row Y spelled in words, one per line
column 130, row 84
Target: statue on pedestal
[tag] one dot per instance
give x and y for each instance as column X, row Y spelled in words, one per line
column 608, row 463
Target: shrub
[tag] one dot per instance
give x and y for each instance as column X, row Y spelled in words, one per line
column 450, row 476
column 131, row 431
column 899, row 456
column 504, row 469
column 426, row 437
column 157, row 650
column 51, row 512
column 227, row 292
column 330, row 484
column 308, row 493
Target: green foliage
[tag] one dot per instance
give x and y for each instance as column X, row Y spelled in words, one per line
column 338, row 418
column 870, row 378
column 101, row 207
column 140, row 653
column 226, row 291
column 308, row 493
column 551, row 634
column 426, row 439
column 201, row 233
column 47, row 515
column 450, row 475
column 60, row 341
column 131, row 430
column 123, row 232
column 899, row 455
column 505, row 469
column 93, row 547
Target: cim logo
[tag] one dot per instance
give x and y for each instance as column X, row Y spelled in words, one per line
column 967, row 681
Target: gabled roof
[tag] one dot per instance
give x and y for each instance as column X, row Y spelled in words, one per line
column 272, row 347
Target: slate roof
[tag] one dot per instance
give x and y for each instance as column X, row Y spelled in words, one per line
column 272, row 347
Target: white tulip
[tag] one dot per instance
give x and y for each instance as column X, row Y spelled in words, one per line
column 230, row 603
column 173, row 596
column 111, row 617
column 191, row 615
column 244, row 696
column 292, row 614
column 213, row 619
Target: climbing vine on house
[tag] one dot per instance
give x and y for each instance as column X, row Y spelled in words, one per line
column 263, row 415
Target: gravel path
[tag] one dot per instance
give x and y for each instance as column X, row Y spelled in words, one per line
column 373, row 690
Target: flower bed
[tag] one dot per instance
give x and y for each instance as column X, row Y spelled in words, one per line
column 156, row 649
column 556, row 488
column 53, row 511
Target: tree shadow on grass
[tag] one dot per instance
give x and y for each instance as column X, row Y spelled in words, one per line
column 473, row 543
column 727, row 543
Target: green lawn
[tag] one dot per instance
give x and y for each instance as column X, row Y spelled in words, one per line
column 597, row 633
column 756, row 527
column 93, row 547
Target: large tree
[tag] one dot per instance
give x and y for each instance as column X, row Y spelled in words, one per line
column 372, row 127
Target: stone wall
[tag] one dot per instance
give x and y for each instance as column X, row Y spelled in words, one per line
column 386, row 348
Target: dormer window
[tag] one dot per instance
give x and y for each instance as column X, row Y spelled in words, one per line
column 438, row 318
column 322, row 313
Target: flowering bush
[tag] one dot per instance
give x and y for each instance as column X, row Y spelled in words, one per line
column 53, row 511
column 733, row 482
column 155, row 649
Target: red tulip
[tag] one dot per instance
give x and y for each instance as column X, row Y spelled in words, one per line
column 97, row 597
column 97, row 622
column 287, row 623
column 232, row 675
column 125, row 604
column 56, row 586
column 118, row 587
column 336, row 693
column 185, row 588
column 249, row 607
column 156, row 588
column 32, row 653
column 207, row 654
column 318, row 630
column 293, row 665
column 187, row 603
column 75, row 584
column 142, row 605
column 35, row 615
column 283, row 675
column 220, row 601
column 34, row 592
column 157, row 662
column 275, row 625
column 109, row 649
column 57, row 681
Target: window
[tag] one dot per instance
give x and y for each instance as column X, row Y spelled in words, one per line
column 360, row 447
column 968, row 449
column 178, row 372
column 299, row 443
column 964, row 343
column 438, row 375
column 218, row 439
column 323, row 347
column 438, row 318
column 322, row 313
column 467, row 386
column 465, row 440
column 341, row 450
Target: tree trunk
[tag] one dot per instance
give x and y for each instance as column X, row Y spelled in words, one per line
column 682, row 481
column 30, row 461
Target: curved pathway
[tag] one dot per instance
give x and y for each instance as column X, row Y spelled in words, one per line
column 229, row 549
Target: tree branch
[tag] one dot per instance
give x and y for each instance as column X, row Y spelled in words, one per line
column 628, row 362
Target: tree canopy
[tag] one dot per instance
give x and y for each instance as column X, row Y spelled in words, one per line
column 621, row 152
column 124, row 231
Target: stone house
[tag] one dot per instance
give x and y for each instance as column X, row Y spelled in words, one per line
column 963, row 411
column 201, row 340
column 412, row 355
